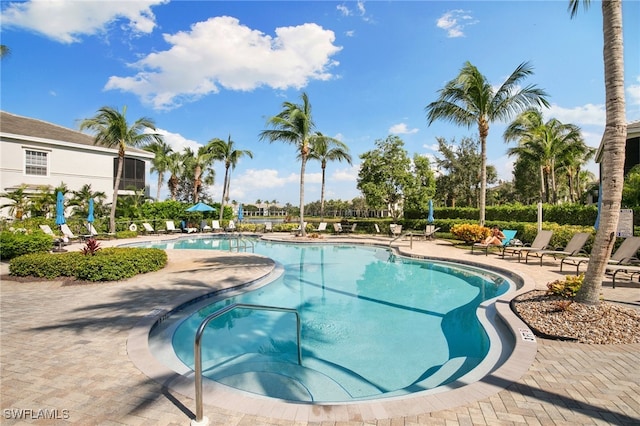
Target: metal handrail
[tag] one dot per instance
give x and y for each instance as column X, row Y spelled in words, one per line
column 197, row 347
column 239, row 240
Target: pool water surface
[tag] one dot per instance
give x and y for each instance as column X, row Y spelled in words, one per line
column 373, row 324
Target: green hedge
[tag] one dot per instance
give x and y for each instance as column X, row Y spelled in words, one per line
column 18, row 243
column 109, row 264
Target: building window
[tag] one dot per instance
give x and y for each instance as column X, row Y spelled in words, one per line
column 35, row 163
column 133, row 174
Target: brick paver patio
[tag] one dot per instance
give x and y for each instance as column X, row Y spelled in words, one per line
column 64, row 355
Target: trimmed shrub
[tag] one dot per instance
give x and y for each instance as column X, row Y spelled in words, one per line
column 567, row 287
column 470, row 233
column 109, row 264
column 126, row 234
column 18, row 243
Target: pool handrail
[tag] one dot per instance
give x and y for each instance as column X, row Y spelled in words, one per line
column 197, row 346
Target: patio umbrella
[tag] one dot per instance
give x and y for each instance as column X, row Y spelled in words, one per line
column 430, row 217
column 240, row 213
column 90, row 217
column 60, row 209
column 201, row 207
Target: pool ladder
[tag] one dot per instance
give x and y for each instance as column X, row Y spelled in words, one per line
column 240, row 242
column 200, row 420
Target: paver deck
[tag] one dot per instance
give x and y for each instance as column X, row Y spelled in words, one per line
column 63, row 353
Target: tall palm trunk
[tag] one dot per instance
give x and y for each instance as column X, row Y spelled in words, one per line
column 303, row 231
column 160, row 179
column 483, row 128
column 116, row 185
column 225, row 188
column 614, row 140
column 324, row 168
column 196, row 183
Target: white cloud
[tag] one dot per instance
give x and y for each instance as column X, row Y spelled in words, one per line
column 633, row 93
column 432, row 147
column 220, row 52
column 177, row 142
column 401, row 129
column 455, row 21
column 344, row 10
column 360, row 10
column 348, row 174
column 66, row 20
column 350, row 33
column 585, row 115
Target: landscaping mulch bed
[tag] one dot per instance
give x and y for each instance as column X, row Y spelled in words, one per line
column 551, row 316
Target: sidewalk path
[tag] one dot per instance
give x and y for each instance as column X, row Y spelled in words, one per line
column 63, row 354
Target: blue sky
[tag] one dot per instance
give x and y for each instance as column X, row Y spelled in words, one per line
column 207, row 69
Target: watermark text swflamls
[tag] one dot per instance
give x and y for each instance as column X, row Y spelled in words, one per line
column 35, row 414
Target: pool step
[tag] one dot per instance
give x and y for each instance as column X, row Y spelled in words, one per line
column 316, row 380
column 265, row 375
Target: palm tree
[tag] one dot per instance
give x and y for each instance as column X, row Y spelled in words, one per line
column 294, row 125
column 19, row 202
column 4, row 50
column 175, row 165
column 324, row 149
column 112, row 130
column 547, row 144
column 161, row 151
column 200, row 164
column 225, row 151
column 613, row 148
column 469, row 99
column 80, row 199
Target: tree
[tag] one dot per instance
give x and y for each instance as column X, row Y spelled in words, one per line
column 613, row 147
column 175, row 165
column 423, row 187
column 294, row 125
column 324, row 149
column 112, row 130
column 160, row 163
column 80, row 200
column 4, row 50
column 199, row 165
column 385, row 173
column 549, row 144
column 469, row 99
column 461, row 162
column 19, row 202
column 631, row 189
column 226, row 152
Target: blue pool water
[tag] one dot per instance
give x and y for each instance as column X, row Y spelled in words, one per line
column 373, row 324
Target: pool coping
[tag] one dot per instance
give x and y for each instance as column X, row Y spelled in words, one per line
column 444, row 397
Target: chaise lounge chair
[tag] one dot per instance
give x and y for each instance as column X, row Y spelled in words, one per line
column 204, row 226
column 64, row 228
column 509, row 235
column 337, row 228
column 148, row 228
column 625, row 254
column 541, row 242
column 171, row 227
column 268, row 227
column 395, row 229
column 231, row 227
column 573, row 248
column 322, row 227
column 215, row 226
column 627, row 269
column 93, row 233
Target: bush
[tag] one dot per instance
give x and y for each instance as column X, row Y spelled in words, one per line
column 567, row 287
column 110, row 264
column 126, row 234
column 14, row 244
column 470, row 233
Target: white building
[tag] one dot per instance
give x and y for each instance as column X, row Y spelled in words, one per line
column 37, row 154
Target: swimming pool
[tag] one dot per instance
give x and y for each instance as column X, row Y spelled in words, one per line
column 373, row 324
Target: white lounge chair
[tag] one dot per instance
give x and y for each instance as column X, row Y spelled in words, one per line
column 64, row 228
column 321, row 227
column 573, row 248
column 93, row 233
column 231, row 227
column 47, row 230
column 625, row 254
column 395, row 229
column 148, row 228
column 171, row 227
column 215, row 226
column 268, row 227
column 375, row 225
column 540, row 242
column 298, row 229
column 337, row 228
